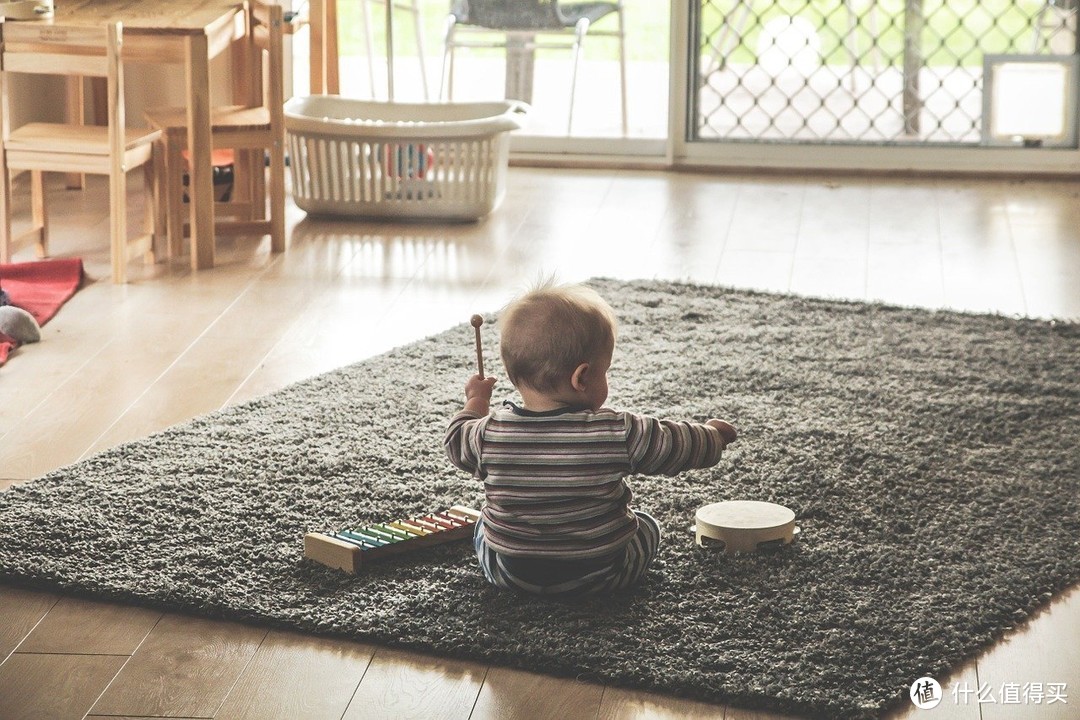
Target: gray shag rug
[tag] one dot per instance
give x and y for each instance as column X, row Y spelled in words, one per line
column 931, row 458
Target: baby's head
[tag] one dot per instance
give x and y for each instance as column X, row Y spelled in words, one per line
column 550, row 332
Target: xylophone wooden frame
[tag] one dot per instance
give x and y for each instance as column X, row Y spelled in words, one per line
column 349, row 550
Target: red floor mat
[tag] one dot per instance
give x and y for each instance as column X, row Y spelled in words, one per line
column 40, row 288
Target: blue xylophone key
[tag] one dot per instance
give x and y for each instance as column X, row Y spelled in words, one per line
column 353, row 540
column 365, row 536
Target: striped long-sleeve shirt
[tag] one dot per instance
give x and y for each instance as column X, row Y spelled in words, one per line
column 554, row 481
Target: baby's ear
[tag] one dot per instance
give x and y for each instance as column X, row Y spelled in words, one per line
column 577, row 380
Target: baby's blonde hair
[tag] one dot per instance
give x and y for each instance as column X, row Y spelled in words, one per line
column 550, row 330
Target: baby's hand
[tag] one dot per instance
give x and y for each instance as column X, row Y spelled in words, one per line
column 727, row 431
column 479, row 388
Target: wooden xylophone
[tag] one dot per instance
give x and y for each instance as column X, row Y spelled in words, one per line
column 348, row 550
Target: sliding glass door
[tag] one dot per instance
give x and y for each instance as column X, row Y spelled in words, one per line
column 948, row 85
column 925, row 84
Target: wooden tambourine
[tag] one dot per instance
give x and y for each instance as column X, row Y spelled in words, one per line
column 745, row 525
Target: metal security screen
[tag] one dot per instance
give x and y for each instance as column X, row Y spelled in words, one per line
column 858, row 71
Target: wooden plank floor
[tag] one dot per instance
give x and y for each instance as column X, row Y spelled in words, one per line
column 120, row 362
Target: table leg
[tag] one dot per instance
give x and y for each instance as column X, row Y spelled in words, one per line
column 330, row 37
column 324, row 47
column 201, row 186
column 75, row 109
column 247, row 188
column 317, row 50
column 75, row 113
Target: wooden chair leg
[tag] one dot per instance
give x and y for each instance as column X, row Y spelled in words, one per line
column 150, row 214
column 277, row 197
column 248, row 186
column 5, row 212
column 174, row 194
column 159, row 207
column 38, row 212
column 257, row 163
column 118, row 223
column 77, row 113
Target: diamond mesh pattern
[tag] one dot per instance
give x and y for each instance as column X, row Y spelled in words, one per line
column 860, row 71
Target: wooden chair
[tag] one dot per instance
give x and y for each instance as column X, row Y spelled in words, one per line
column 111, row 150
column 259, row 125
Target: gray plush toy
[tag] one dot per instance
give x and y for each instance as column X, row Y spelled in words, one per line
column 19, row 325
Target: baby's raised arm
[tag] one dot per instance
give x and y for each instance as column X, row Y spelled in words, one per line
column 462, row 440
column 478, row 395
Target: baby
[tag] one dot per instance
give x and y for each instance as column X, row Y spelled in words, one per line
column 557, row 518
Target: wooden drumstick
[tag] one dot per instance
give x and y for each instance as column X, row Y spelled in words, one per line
column 477, row 321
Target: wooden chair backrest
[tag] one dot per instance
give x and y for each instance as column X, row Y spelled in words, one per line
column 96, row 52
column 267, row 27
column 45, row 50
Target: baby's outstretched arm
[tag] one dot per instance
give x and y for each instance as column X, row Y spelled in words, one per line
column 668, row 447
column 727, row 430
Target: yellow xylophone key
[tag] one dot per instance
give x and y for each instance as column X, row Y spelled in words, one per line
column 404, row 526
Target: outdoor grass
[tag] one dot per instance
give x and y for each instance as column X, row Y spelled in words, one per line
column 955, row 32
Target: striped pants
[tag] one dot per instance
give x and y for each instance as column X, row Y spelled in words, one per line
column 620, row 574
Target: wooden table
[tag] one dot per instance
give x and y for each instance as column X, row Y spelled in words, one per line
column 324, row 69
column 181, row 32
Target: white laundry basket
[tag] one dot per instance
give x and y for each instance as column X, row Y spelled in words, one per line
column 403, row 160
